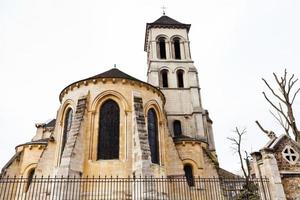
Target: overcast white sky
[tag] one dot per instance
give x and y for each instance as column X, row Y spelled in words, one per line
column 47, row 44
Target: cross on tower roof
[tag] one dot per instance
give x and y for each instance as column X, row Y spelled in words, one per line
column 164, row 9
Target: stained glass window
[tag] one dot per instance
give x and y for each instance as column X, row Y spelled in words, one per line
column 108, row 139
column 153, row 135
column 67, row 127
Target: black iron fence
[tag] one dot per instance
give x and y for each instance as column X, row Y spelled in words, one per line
column 132, row 188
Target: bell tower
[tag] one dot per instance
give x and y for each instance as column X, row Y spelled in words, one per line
column 171, row 68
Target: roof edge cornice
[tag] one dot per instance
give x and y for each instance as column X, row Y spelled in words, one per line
column 93, row 80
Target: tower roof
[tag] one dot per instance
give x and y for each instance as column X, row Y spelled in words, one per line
column 164, row 22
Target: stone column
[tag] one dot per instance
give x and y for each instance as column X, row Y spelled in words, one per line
column 168, row 50
column 270, row 170
column 153, row 47
column 142, row 154
column 71, row 165
column 141, row 149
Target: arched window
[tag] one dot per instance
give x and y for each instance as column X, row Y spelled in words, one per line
column 164, row 78
column 176, row 43
column 67, row 128
column 177, row 128
column 29, row 178
column 180, row 78
column 153, row 135
column 162, row 48
column 109, row 131
column 188, row 171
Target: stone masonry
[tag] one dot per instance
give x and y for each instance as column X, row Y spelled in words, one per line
column 142, row 158
column 72, row 157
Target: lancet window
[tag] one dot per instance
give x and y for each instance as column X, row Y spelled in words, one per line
column 188, row 171
column 67, row 127
column 179, row 74
column 164, row 78
column 177, row 128
column 29, row 178
column 161, row 48
column 176, row 46
column 153, row 135
column 109, row 131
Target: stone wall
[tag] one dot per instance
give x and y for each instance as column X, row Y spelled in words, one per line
column 283, row 164
column 290, row 173
column 46, row 163
column 291, row 185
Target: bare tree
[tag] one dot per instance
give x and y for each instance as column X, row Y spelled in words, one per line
column 282, row 104
column 250, row 190
column 237, row 147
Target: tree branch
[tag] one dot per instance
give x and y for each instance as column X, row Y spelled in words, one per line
column 275, row 107
column 261, row 128
column 237, row 142
column 285, row 113
column 281, row 122
column 293, row 99
column 271, row 89
column 270, row 134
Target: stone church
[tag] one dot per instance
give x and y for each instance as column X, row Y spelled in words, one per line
column 114, row 124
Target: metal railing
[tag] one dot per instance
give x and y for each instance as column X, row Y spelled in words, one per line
column 132, row 188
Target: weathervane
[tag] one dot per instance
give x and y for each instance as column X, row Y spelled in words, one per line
column 164, row 9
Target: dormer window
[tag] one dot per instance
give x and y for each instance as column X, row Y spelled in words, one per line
column 176, row 44
column 161, row 48
column 290, row 155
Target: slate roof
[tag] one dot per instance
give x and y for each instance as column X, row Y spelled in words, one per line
column 273, row 143
column 11, row 160
column 40, row 141
column 167, row 22
column 114, row 73
column 223, row 173
column 50, row 123
column 188, row 138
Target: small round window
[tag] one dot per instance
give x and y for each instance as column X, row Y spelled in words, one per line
column 290, row 155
